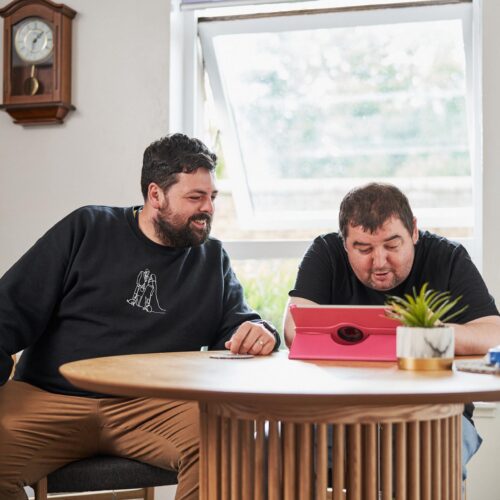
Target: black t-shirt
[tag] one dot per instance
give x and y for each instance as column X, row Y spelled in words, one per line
column 326, row 277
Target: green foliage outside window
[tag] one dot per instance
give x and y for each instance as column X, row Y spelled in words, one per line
column 266, row 285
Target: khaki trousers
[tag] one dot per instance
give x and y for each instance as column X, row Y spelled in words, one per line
column 41, row 431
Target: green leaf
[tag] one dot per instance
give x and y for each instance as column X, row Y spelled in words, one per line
column 426, row 309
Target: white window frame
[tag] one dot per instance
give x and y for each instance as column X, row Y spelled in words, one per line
column 186, row 93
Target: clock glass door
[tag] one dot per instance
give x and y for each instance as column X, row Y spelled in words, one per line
column 32, row 57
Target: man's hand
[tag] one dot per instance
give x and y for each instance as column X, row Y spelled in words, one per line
column 251, row 338
column 288, row 323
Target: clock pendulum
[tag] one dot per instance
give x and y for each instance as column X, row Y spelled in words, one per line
column 31, row 84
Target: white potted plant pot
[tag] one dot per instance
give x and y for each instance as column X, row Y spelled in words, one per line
column 425, row 348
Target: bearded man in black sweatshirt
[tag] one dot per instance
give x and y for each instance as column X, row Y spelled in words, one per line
column 109, row 281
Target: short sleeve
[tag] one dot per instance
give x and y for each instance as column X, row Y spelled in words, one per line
column 466, row 281
column 316, row 274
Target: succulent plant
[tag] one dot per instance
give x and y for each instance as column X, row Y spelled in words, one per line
column 426, row 309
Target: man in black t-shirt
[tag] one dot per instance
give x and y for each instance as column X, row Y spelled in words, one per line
column 380, row 251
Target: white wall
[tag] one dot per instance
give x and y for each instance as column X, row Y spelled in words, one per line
column 483, row 468
column 491, row 146
column 120, row 90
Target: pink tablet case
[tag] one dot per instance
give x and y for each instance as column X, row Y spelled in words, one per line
column 343, row 332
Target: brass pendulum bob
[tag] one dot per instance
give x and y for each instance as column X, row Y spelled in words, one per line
column 31, row 85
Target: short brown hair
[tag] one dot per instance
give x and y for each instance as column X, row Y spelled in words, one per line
column 369, row 206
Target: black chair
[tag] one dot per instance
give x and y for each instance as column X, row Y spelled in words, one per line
column 102, row 473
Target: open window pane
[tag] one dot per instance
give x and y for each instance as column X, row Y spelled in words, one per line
column 309, row 110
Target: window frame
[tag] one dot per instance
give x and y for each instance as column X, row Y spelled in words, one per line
column 190, row 117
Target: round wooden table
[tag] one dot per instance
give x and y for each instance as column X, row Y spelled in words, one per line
column 267, row 422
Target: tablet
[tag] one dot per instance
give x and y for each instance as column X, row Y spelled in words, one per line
column 343, row 332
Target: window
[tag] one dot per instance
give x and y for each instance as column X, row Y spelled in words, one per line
column 311, row 105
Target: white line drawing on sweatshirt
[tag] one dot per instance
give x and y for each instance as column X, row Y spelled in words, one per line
column 145, row 294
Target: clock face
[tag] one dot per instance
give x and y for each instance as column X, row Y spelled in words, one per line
column 34, row 40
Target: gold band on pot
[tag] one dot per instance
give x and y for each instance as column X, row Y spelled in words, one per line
column 425, row 363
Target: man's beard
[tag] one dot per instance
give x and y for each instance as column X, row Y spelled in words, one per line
column 181, row 235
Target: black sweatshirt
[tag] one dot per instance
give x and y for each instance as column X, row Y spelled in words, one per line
column 94, row 285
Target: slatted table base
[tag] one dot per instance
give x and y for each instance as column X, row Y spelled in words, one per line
column 407, row 452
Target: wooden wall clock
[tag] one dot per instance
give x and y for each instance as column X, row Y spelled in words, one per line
column 37, row 61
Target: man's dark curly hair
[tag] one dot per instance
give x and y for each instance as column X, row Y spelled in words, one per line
column 171, row 155
column 369, row 206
